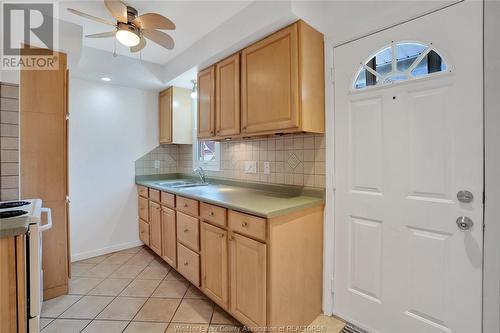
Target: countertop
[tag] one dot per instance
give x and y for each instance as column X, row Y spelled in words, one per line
column 258, row 199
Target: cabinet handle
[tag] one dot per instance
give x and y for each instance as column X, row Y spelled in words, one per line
column 244, row 224
column 231, row 238
column 186, row 263
column 185, row 205
column 211, row 214
column 221, row 236
column 186, row 230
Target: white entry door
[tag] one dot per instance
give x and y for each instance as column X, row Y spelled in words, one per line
column 404, row 148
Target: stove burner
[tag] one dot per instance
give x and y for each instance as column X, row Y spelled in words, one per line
column 12, row 204
column 12, row 213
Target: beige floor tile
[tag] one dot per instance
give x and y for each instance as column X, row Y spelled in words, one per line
column 140, row 288
column 326, row 324
column 44, row 322
column 182, row 327
column 140, row 259
column 122, row 308
column 194, row 311
column 94, row 260
column 221, row 317
column 65, row 326
column 174, row 275
column 143, row 327
column 102, row 326
column 118, row 258
column 158, row 309
column 194, row 292
column 102, row 270
column 127, row 271
column 224, row 328
column 171, row 289
column 153, row 273
column 54, row 307
column 88, row 307
column 110, row 287
column 78, row 268
column 82, row 285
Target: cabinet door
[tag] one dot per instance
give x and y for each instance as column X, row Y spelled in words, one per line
column 269, row 82
column 214, row 263
column 155, row 227
column 248, row 280
column 165, row 115
column 206, row 103
column 227, row 101
column 144, row 232
column 168, row 237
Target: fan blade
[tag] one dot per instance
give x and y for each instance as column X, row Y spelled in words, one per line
column 117, row 9
column 153, row 21
column 140, row 46
column 90, row 17
column 102, row 34
column 159, row 38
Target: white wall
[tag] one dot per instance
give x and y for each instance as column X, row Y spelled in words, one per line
column 110, row 127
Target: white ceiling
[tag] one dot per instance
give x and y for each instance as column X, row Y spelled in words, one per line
column 193, row 19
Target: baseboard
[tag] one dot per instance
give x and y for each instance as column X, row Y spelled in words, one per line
column 104, row 250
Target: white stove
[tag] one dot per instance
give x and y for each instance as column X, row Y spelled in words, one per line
column 29, row 212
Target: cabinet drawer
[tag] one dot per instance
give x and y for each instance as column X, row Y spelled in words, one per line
column 168, row 199
column 188, row 231
column 186, row 205
column 214, row 214
column 142, row 190
column 188, row 264
column 249, row 225
column 143, row 209
column 154, row 195
column 144, row 232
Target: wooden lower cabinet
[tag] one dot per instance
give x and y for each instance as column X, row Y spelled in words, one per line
column 144, row 232
column 155, row 227
column 248, row 280
column 266, row 272
column 143, row 208
column 168, row 236
column 214, row 263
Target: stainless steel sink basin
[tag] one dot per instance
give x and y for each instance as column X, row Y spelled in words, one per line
column 181, row 184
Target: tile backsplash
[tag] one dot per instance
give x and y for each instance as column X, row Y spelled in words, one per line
column 293, row 160
column 9, row 142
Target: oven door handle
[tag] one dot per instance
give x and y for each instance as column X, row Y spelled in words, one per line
column 49, row 220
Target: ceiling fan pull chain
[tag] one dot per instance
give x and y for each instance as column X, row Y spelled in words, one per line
column 114, row 49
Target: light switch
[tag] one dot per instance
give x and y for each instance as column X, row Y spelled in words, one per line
column 250, row 167
column 267, row 168
column 157, row 164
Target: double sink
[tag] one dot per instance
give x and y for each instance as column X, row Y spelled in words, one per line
column 181, row 184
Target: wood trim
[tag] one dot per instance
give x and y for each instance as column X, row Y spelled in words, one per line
column 8, row 285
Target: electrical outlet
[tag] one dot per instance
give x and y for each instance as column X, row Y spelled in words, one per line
column 157, row 164
column 250, row 167
column 267, row 168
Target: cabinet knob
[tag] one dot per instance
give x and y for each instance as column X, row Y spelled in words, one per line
column 244, row 224
column 185, row 205
column 186, row 230
column 231, row 238
column 186, row 263
column 221, row 236
column 211, row 214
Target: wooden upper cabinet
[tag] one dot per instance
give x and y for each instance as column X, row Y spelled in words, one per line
column 214, row 263
column 175, row 116
column 165, row 115
column 155, row 227
column 227, row 101
column 282, row 83
column 206, row 103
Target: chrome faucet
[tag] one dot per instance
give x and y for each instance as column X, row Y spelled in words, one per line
column 200, row 172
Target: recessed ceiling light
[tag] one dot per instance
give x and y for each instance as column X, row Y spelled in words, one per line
column 104, row 78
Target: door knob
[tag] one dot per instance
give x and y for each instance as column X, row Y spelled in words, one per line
column 465, row 196
column 464, row 223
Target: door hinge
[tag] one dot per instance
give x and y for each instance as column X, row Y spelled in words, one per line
column 67, row 115
column 332, row 75
column 331, row 285
column 67, row 199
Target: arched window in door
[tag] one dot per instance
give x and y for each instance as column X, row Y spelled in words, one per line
column 399, row 61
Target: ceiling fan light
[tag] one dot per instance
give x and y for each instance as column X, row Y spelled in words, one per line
column 127, row 37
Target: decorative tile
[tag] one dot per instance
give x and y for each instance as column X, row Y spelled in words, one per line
column 293, row 160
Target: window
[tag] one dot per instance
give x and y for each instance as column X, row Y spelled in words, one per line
column 208, row 155
column 397, row 62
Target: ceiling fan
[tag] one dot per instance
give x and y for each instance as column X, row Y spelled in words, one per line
column 132, row 29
